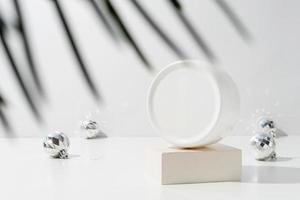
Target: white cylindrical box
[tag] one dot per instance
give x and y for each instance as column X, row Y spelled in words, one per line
column 192, row 103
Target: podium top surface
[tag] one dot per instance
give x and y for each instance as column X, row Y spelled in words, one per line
column 212, row 148
column 113, row 168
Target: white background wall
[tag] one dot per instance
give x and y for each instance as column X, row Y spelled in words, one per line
column 266, row 70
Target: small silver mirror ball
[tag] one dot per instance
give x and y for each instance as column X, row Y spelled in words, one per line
column 264, row 146
column 91, row 129
column 57, row 144
column 267, row 125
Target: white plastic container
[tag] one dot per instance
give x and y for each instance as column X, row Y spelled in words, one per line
column 192, row 103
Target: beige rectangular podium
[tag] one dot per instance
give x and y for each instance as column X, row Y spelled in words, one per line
column 213, row 163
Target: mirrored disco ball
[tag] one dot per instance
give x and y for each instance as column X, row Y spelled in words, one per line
column 264, row 146
column 57, row 144
column 91, row 129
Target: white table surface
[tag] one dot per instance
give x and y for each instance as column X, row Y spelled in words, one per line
column 114, row 168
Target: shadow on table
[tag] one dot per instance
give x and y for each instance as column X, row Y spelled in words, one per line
column 280, row 133
column 270, row 174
